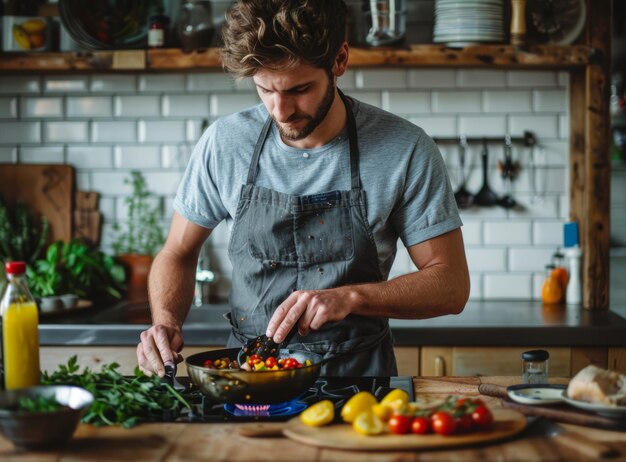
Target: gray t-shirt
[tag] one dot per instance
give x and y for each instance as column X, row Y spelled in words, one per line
column 406, row 184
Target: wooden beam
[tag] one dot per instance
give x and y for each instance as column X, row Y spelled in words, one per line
column 595, row 236
column 577, row 133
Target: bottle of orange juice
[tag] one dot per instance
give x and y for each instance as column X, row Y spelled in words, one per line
column 20, row 333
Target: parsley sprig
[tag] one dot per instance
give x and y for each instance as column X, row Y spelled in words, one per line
column 119, row 400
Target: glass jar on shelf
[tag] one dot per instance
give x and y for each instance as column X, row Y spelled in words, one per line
column 195, row 25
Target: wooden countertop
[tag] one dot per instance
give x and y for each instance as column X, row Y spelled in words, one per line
column 170, row 442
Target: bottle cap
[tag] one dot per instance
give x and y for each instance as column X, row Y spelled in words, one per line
column 535, row 355
column 15, row 267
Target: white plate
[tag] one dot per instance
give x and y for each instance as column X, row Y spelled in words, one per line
column 537, row 394
column 614, row 412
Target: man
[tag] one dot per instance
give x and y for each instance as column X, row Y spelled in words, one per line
column 317, row 188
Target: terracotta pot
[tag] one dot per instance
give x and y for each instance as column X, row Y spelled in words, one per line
column 137, row 269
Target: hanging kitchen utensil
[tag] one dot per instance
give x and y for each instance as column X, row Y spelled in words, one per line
column 508, row 171
column 556, row 22
column 463, row 197
column 485, row 197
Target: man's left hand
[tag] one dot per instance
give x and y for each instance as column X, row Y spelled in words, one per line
column 310, row 310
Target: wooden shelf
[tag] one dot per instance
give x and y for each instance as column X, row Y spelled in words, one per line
column 500, row 56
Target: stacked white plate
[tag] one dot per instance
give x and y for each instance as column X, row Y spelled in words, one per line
column 459, row 23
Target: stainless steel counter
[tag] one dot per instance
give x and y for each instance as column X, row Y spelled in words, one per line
column 481, row 323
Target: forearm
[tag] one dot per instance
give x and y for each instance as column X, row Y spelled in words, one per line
column 171, row 286
column 433, row 291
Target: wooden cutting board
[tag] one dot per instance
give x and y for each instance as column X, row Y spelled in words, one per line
column 46, row 189
column 341, row 436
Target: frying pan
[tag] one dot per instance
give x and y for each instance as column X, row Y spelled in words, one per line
column 236, row 386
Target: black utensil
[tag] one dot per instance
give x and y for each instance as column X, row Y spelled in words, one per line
column 264, row 346
column 485, row 197
column 508, row 170
column 170, row 377
column 462, row 196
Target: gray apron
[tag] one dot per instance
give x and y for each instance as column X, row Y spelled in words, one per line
column 281, row 243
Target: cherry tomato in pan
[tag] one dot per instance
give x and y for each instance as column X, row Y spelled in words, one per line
column 208, row 363
column 270, row 362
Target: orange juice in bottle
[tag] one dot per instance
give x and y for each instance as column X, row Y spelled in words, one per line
column 20, row 333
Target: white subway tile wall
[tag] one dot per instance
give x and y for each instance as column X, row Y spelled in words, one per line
column 106, row 125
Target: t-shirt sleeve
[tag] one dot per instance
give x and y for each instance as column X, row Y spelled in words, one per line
column 198, row 199
column 427, row 208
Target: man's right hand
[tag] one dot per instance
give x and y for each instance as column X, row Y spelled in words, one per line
column 159, row 345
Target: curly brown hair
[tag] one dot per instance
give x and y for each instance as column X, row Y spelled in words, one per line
column 281, row 34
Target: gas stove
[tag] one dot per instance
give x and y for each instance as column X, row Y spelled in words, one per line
column 336, row 389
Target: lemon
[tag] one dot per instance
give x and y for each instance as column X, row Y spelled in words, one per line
column 368, row 423
column 319, row 414
column 382, row 411
column 359, row 403
column 395, row 395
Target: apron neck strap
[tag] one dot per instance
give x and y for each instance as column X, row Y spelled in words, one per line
column 354, row 145
column 352, row 136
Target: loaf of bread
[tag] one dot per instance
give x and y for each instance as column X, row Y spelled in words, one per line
column 599, row 386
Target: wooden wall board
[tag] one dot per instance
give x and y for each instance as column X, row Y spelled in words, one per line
column 48, row 190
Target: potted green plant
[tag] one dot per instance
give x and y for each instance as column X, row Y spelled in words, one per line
column 76, row 268
column 22, row 236
column 139, row 239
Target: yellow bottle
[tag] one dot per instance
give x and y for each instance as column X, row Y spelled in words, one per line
column 20, row 333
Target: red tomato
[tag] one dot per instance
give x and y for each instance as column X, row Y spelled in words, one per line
column 482, row 417
column 464, row 424
column 270, row 362
column 208, row 363
column 442, row 423
column 400, row 424
column 420, row 426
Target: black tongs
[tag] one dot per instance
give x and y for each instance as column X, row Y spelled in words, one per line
column 265, row 347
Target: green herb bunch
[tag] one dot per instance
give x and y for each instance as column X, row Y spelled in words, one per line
column 38, row 404
column 143, row 234
column 77, row 268
column 22, row 236
column 119, row 400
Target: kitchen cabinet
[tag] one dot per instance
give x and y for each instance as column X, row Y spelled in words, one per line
column 588, row 65
column 95, row 356
column 506, row 361
column 471, row 361
column 412, row 361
